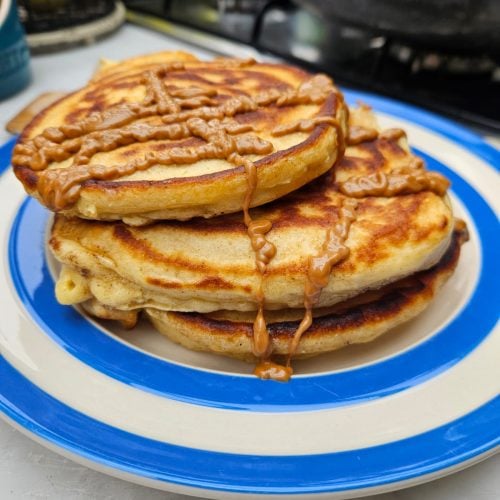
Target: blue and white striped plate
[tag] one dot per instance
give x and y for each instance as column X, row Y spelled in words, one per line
column 417, row 404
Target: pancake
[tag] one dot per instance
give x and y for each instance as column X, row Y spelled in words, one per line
column 166, row 136
column 209, row 265
column 358, row 320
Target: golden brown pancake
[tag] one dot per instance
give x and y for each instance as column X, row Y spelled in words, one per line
column 357, row 320
column 166, row 136
column 208, row 265
column 342, row 260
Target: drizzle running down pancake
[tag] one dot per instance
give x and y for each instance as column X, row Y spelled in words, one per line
column 169, row 137
column 206, row 265
column 358, row 233
column 358, row 320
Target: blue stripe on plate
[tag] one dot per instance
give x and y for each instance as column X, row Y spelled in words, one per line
column 6, row 153
column 435, row 450
column 104, row 353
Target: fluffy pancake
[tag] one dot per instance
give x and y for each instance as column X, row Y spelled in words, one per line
column 166, row 136
column 357, row 320
column 208, row 265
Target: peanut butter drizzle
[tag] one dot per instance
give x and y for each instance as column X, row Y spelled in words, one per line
column 61, row 187
column 269, row 370
column 409, row 179
column 113, row 128
column 206, row 119
column 305, row 125
column 399, row 181
column 392, row 134
column 234, row 62
column 157, row 93
column 264, row 252
column 357, row 135
column 333, row 251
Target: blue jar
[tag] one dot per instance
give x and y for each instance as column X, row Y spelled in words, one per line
column 15, row 71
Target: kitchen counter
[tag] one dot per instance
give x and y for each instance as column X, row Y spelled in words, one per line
column 27, row 470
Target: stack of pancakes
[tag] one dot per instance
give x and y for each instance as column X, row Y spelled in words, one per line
column 241, row 206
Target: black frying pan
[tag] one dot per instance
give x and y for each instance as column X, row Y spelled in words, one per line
column 464, row 25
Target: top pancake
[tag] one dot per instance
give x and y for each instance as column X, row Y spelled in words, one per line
column 166, row 136
column 208, row 265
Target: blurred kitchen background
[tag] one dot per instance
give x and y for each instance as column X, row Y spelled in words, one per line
column 443, row 55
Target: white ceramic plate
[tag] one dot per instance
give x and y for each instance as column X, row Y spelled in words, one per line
column 417, row 404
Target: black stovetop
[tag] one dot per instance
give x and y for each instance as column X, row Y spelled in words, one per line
column 352, row 57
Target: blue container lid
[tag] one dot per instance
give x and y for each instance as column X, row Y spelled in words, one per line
column 15, row 72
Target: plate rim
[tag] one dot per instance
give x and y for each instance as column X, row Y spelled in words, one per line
column 188, row 489
column 354, row 385
column 446, row 128
column 72, row 421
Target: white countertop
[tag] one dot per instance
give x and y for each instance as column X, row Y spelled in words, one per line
column 27, row 470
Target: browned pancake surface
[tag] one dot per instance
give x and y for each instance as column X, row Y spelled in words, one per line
column 207, row 265
column 180, row 188
column 358, row 320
